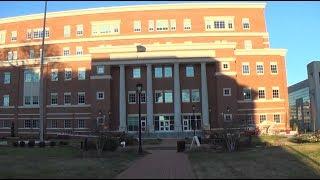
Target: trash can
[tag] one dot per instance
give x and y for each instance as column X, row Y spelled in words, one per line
column 181, row 146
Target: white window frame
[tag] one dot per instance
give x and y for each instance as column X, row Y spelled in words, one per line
column 173, row 25
column 101, row 28
column 14, row 36
column 143, row 100
column 79, row 51
column 31, row 54
column 15, row 55
column 52, row 95
column 100, row 67
column 245, row 20
column 225, row 117
column 137, row 26
column 135, row 97
column 80, row 71
column 151, row 25
column 57, row 73
column 225, row 63
column 242, row 69
column 164, row 71
column 265, row 93
column 279, row 117
column 97, row 95
column 155, row 96
column 66, row 31
column 54, row 123
column 24, row 100
column 64, row 98
column 84, row 95
column 65, row 74
column 260, row 115
column 259, row 64
column 83, row 121
column 224, row 93
column 187, row 24
column 210, row 23
column 276, row 88
column 33, row 100
column 79, row 29
column 7, row 78
column 65, row 122
column 6, row 100
column 3, row 36
column 155, row 70
column 65, row 50
column 276, row 64
column 247, row 44
column 250, row 94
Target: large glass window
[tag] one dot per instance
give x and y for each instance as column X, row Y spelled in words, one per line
column 105, row 28
column 31, row 123
column 185, row 95
column 158, row 72
column 274, row 68
column 164, row 123
column 158, row 97
column 81, row 73
column 191, row 122
column 189, row 71
column 263, row 117
column 168, row 96
column 54, row 75
column 6, row 100
column 31, row 76
column 133, row 123
column 167, row 71
column 246, row 94
column 67, row 98
column 7, row 77
column 219, row 24
column 261, row 94
column 67, row 74
column 136, row 73
column 276, row 118
column 195, row 95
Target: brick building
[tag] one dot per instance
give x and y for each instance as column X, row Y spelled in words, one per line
column 215, row 56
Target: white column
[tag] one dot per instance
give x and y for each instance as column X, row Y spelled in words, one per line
column 177, row 99
column 122, row 100
column 149, row 99
column 204, row 97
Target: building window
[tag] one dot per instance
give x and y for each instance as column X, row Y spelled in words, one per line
column 132, row 97
column 10, row 55
column 66, row 31
column 158, row 72
column 67, row 98
column 35, row 100
column 31, row 53
column 246, row 94
column 225, row 66
column 245, row 23
column 191, row 122
column 6, row 100
column 29, row 34
column 137, row 26
column 143, row 97
column 100, row 95
column 226, row 91
column 187, row 24
column 31, row 75
column 151, row 25
column 248, row 120
column 173, row 24
column 260, row 68
column 79, row 50
column 195, row 95
column 54, row 75
column 167, row 72
column 245, row 69
column 230, row 24
column 67, row 74
column 163, row 123
column 168, row 96
column 158, row 96
column 31, row 123
column 100, row 69
column 261, row 94
column 247, row 44
column 81, row 98
column 27, row 100
column 219, row 25
column 162, row 25
column 66, row 51
column 54, row 98
column 133, row 123
column 276, row 118
column 136, row 73
column 105, row 28
column 81, row 123
column 189, row 71
column 7, row 77
column 185, row 95
column 81, row 73
column 14, row 36
column 67, row 123
column 275, row 93
column 274, row 68
column 227, row 117
column 37, row 33
column 2, row 37
column 54, row 123
column 80, row 30
column 263, row 117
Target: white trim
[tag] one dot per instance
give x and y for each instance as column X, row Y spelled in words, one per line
column 97, row 95
column 101, row 77
column 62, row 118
column 260, row 63
column 135, row 94
column 231, row 73
column 6, row 107
column 262, row 101
column 265, row 51
column 75, row 105
column 248, row 64
column 222, row 66
column 223, row 91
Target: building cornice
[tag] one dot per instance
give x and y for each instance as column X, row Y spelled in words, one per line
column 155, row 7
column 266, row 51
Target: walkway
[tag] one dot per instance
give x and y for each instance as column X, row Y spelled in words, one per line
column 160, row 164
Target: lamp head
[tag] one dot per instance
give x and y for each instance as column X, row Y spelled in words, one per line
column 193, row 107
column 139, row 87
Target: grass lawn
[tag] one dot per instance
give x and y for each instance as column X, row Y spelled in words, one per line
column 61, row 162
column 290, row 161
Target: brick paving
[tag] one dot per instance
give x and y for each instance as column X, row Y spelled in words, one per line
column 160, row 164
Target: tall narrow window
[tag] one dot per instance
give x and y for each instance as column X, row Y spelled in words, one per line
column 168, row 96
column 29, row 34
column 189, row 71
column 158, row 72
column 81, row 98
column 54, row 74
column 275, row 92
column 247, row 44
column 13, row 35
column 132, row 97
column 195, row 95
column 67, row 98
column 80, row 30
column 2, row 37
column 67, row 31
column 10, row 55
column 7, row 77
column 67, row 123
column 158, row 96
column 168, row 72
column 54, row 98
column 66, row 51
column 187, row 24
column 276, row 118
column 81, row 123
column 259, row 68
column 6, row 100
column 79, row 50
column 245, row 23
column 35, row 100
column 263, row 117
column 137, row 26
column 67, row 74
column 173, row 24
column 261, row 93
column 246, row 94
column 274, row 68
column 245, row 69
column 81, row 73
column 151, row 25
column 31, row 53
column 185, row 95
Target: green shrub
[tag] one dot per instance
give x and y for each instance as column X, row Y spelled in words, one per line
column 22, row 143
column 42, row 144
column 52, row 143
column 110, row 144
column 31, row 143
column 63, row 143
column 305, row 138
column 15, row 144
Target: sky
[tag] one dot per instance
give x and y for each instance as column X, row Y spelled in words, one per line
column 294, row 26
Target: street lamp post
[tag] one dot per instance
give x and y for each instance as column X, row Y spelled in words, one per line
column 109, row 123
column 139, row 89
column 194, row 120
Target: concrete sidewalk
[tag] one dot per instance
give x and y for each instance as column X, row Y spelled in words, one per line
column 160, row 164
